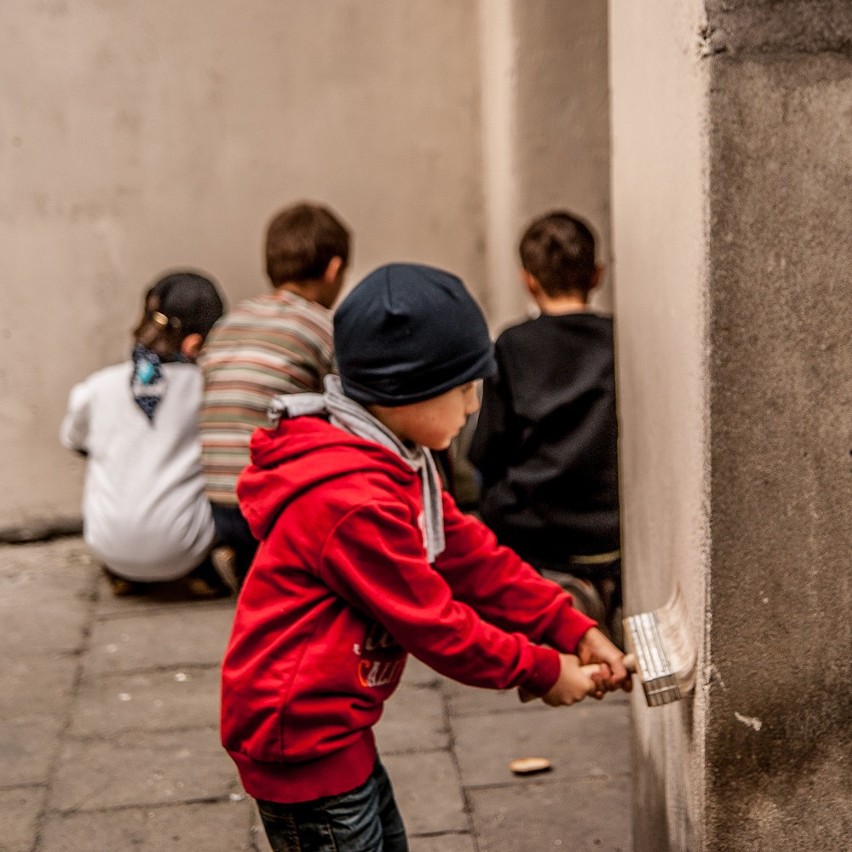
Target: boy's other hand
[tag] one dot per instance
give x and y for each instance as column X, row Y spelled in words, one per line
column 575, row 682
column 594, row 647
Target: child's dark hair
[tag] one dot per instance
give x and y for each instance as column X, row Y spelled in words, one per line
column 179, row 304
column 300, row 242
column 558, row 249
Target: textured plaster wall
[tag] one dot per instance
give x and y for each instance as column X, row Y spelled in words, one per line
column 136, row 137
column 659, row 210
column 731, row 214
column 779, row 722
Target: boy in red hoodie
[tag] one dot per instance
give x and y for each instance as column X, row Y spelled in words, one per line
column 363, row 560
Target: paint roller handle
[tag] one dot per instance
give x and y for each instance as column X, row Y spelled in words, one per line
column 630, row 663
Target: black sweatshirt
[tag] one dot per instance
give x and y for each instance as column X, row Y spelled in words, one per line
column 545, row 442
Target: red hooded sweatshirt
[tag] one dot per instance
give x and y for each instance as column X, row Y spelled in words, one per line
column 341, row 591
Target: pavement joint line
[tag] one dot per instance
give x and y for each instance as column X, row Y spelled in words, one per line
column 27, row 785
column 161, row 669
column 469, row 714
column 90, row 677
column 68, row 716
column 545, row 780
column 154, row 610
column 152, row 806
column 116, row 735
column 430, row 834
column 467, row 804
column 405, row 752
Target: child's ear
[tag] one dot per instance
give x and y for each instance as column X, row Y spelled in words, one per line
column 597, row 277
column 190, row 346
column 531, row 283
column 334, row 270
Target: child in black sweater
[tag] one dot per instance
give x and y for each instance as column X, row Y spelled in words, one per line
column 545, row 442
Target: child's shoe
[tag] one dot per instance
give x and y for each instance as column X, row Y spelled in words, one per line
column 120, row 586
column 204, row 582
column 224, row 560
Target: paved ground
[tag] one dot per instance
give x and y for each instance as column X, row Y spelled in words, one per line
column 109, row 742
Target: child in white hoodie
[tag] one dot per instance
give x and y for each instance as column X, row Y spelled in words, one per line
column 145, row 513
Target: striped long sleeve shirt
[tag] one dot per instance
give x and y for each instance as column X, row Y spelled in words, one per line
column 267, row 345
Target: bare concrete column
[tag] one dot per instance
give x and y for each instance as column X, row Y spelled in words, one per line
column 731, row 216
column 503, row 297
column 545, row 123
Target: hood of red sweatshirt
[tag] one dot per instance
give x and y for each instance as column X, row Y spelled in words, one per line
column 301, row 454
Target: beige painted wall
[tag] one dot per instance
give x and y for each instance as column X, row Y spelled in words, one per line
column 659, row 221
column 140, row 137
column 143, row 136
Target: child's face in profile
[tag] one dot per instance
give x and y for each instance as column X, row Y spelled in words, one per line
column 432, row 423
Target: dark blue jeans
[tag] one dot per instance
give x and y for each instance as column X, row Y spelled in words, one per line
column 365, row 819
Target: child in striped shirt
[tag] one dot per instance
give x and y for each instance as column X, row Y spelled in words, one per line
column 274, row 343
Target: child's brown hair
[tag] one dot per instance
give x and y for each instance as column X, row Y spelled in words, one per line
column 301, row 241
column 558, row 249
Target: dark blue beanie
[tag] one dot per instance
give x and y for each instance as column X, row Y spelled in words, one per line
column 409, row 332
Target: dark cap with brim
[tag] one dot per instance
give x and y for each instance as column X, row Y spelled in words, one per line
column 407, row 333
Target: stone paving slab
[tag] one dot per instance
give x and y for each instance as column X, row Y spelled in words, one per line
column 109, row 734
column 428, row 792
column 419, row 674
column 19, row 810
column 33, row 686
column 56, row 569
column 465, row 700
column 574, row 815
column 588, row 739
column 27, row 747
column 443, row 843
column 150, row 701
column 142, row 768
column 159, row 639
column 413, row 720
column 206, row 827
column 38, row 626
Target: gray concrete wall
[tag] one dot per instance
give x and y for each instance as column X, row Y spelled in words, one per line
column 734, row 367
column 779, row 724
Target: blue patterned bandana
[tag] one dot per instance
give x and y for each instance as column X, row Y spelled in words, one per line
column 148, row 383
